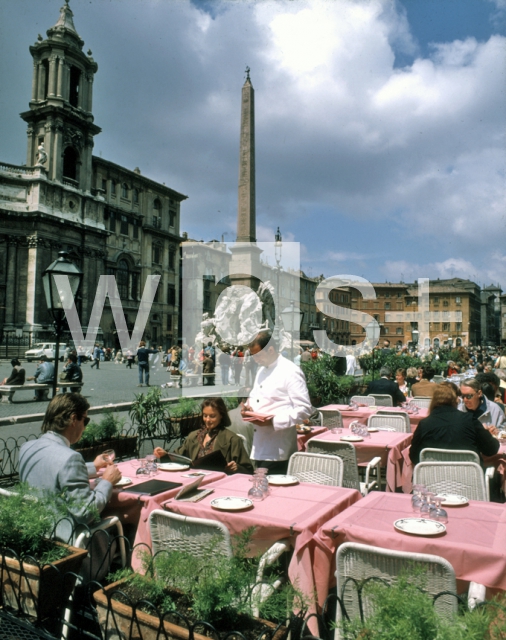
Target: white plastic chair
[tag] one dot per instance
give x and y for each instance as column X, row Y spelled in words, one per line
column 331, row 418
column 461, row 478
column 355, row 561
column 448, row 455
column 387, row 412
column 347, row 453
column 421, row 402
column 382, row 399
column 316, row 469
column 174, row 532
column 368, row 400
column 392, row 421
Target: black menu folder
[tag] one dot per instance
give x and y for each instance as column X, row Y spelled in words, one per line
column 214, row 461
column 153, row 487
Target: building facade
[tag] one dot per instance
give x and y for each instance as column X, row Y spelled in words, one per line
column 110, row 219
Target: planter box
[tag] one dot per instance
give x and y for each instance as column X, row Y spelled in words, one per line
column 39, row 591
column 116, row 621
column 124, row 446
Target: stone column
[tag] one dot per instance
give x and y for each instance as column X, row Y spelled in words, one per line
column 31, row 281
column 89, row 107
column 42, row 81
column 11, row 281
column 59, row 87
column 35, row 80
column 51, row 90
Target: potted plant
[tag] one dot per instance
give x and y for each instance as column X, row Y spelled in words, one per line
column 106, row 434
column 182, row 587
column 184, row 417
column 35, row 569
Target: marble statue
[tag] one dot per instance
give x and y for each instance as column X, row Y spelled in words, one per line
column 41, row 155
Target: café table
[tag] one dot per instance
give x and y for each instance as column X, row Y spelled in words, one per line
column 135, row 508
column 474, row 542
column 295, row 512
column 363, row 413
column 303, row 437
column 388, row 445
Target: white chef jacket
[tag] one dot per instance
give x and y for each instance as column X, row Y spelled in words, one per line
column 280, row 390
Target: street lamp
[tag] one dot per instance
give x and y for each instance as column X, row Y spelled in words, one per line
column 60, row 267
column 277, row 256
column 292, row 318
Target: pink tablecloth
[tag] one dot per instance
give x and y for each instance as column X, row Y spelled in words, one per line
column 387, row 445
column 474, row 542
column 294, row 512
column 363, row 413
column 302, row 438
column 136, row 508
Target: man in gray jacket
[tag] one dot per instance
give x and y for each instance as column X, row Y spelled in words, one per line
column 44, row 374
column 49, row 464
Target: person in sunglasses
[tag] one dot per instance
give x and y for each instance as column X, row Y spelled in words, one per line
column 483, row 409
column 48, row 464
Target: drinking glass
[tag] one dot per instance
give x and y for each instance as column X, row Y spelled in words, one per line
column 336, row 430
column 255, row 493
column 143, row 469
column 426, row 506
column 109, row 456
column 151, row 465
column 438, row 513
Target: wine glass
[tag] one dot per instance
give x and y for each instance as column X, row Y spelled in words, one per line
column 426, row 506
column 438, row 513
column 109, row 456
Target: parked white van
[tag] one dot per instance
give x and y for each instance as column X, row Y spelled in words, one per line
column 44, row 348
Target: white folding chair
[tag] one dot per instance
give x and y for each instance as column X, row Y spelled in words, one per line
column 382, row 399
column 461, row 478
column 316, row 469
column 347, row 453
column 331, row 418
column 368, row 400
column 421, row 402
column 357, row 562
column 174, row 532
column 391, row 421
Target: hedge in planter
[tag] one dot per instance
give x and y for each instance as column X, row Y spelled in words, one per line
column 34, row 568
column 107, row 434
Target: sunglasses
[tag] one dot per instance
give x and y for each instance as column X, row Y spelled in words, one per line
column 86, row 421
column 468, row 396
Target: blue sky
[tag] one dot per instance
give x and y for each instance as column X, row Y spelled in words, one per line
column 379, row 124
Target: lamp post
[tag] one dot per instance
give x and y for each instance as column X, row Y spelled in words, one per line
column 277, row 256
column 60, row 267
column 414, row 338
column 292, row 318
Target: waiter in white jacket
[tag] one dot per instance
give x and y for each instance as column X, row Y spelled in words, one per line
column 278, row 401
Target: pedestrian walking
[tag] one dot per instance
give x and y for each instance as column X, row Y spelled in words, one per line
column 143, row 362
column 96, row 357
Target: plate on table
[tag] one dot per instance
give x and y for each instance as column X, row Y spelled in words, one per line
column 419, row 526
column 281, row 480
column 231, row 503
column 352, row 438
column 303, row 429
column 172, row 466
column 123, row 482
column 372, row 429
column 453, row 500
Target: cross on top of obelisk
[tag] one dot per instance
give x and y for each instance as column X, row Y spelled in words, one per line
column 247, row 73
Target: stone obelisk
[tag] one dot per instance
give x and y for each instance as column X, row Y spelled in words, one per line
column 246, row 257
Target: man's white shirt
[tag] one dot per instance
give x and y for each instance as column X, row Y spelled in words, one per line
column 280, row 390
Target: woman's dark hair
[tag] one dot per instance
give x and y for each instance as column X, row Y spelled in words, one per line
column 488, row 391
column 15, row 362
column 61, row 409
column 220, row 407
column 444, row 395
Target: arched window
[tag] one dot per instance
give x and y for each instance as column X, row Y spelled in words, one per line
column 70, row 158
column 458, row 342
column 436, row 343
column 122, row 278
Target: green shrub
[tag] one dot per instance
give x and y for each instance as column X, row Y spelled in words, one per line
column 108, row 428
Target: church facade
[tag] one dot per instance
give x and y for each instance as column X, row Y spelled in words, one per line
column 110, row 219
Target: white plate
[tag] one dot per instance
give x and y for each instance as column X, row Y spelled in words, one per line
column 231, row 503
column 123, row 482
column 419, row 526
column 453, row 500
column 173, row 466
column 280, row 480
column 352, row 438
column 372, row 429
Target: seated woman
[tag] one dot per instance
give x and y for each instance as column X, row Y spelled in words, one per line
column 448, row 428
column 17, row 374
column 400, row 378
column 213, row 436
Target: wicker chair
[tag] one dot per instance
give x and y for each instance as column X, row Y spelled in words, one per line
column 356, row 562
column 316, row 468
column 174, row 532
column 421, row 402
column 331, row 418
column 438, row 379
column 392, row 421
column 346, row 452
column 448, row 455
column 387, row 412
column 368, row 400
column 382, row 399
column 462, row 478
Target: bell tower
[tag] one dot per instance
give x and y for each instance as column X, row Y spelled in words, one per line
column 60, row 120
